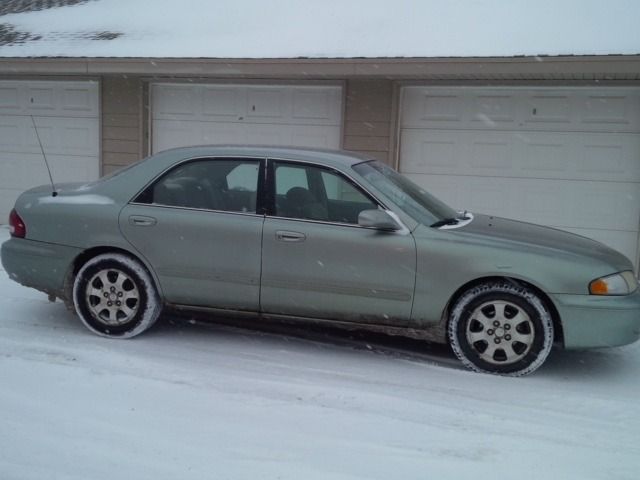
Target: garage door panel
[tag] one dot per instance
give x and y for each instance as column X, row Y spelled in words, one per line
column 266, row 104
column 10, row 96
column 223, row 103
column 248, row 104
column 176, row 133
column 15, row 172
column 491, row 154
column 611, row 110
column 459, row 152
column 545, row 157
column 606, row 159
column 596, row 156
column 76, row 136
column 548, row 108
column 432, row 151
column 316, row 106
column 79, row 99
column 175, row 102
column 170, row 134
column 42, row 99
column 493, row 109
column 28, row 170
column 73, row 136
column 11, row 137
column 173, row 133
column 541, row 109
column 62, row 99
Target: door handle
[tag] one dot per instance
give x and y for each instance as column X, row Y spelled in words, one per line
column 286, row 236
column 142, row 221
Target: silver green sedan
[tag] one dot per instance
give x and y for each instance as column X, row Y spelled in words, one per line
column 317, row 235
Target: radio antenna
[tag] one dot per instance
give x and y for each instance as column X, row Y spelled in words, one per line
column 53, row 187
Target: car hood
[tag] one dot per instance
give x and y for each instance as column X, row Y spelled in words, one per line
column 548, row 241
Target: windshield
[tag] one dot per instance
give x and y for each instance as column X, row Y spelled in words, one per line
column 416, row 202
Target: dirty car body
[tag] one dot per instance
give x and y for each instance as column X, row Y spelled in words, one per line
column 317, row 235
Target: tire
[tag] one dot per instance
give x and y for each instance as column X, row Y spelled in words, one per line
column 501, row 328
column 115, row 297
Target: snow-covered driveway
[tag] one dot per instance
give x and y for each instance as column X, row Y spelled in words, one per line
column 190, row 401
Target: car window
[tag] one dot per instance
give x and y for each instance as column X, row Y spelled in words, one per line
column 227, row 185
column 290, row 176
column 340, row 190
column 315, row 193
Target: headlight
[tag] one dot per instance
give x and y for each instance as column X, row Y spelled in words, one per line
column 622, row 283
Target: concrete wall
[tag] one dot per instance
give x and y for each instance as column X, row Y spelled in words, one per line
column 121, row 122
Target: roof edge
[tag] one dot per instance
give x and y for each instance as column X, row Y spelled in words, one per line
column 397, row 67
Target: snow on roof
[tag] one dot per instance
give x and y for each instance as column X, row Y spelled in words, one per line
column 318, row 28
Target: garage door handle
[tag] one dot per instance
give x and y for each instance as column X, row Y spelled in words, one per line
column 285, row 236
column 140, row 221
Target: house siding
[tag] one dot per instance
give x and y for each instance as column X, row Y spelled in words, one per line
column 368, row 118
column 121, row 122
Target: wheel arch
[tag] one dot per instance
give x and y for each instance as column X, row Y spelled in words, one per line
column 558, row 332
column 93, row 252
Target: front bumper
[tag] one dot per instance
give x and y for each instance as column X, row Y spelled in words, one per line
column 39, row 265
column 590, row 321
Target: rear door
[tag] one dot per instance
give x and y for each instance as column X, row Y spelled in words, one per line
column 318, row 262
column 198, row 227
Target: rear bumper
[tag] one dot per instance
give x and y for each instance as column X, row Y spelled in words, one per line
column 590, row 321
column 39, row 265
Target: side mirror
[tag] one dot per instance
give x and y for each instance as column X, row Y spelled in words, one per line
column 378, row 219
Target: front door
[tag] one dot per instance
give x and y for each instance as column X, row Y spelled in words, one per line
column 198, row 226
column 317, row 262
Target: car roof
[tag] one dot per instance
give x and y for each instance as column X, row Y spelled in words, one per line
column 336, row 158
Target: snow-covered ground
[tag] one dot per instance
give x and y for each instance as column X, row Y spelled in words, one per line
column 193, row 401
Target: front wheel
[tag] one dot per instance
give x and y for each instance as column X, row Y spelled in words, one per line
column 115, row 296
column 502, row 328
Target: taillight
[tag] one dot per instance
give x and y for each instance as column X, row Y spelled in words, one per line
column 17, row 228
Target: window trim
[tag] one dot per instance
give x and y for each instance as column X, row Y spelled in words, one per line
column 259, row 187
column 194, row 209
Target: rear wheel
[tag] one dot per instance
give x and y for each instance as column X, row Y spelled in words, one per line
column 115, row 296
column 501, row 328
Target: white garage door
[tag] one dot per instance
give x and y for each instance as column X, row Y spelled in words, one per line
column 564, row 157
column 187, row 114
column 66, row 115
